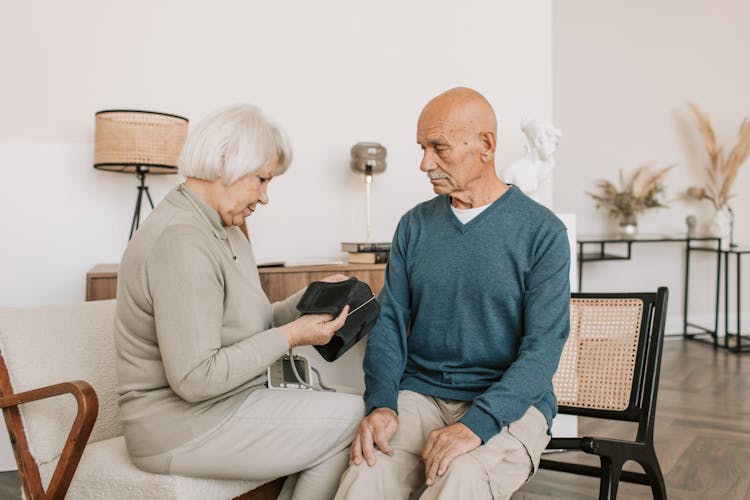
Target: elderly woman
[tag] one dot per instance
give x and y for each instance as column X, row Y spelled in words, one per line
column 195, row 332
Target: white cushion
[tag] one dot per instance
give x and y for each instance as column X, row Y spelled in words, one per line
column 51, row 344
column 106, row 471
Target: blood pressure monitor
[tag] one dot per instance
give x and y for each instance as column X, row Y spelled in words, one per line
column 281, row 375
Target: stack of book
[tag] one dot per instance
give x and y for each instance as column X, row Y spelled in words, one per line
column 367, row 253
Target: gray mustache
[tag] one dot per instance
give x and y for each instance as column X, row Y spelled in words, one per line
column 433, row 175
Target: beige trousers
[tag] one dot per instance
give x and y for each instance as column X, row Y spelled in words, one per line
column 493, row 471
column 274, row 433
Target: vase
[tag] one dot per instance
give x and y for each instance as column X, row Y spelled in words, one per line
column 627, row 225
column 720, row 225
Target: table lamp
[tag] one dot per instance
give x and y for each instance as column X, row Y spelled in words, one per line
column 139, row 142
column 368, row 157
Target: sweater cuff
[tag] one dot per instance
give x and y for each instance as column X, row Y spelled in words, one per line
column 285, row 311
column 271, row 344
column 482, row 424
column 381, row 399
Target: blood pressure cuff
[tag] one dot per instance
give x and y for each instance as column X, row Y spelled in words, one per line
column 330, row 298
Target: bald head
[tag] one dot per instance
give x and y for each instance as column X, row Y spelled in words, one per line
column 462, row 107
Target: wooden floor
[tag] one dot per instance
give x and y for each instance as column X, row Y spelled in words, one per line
column 702, row 433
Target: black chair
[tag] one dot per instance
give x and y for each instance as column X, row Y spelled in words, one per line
column 610, row 370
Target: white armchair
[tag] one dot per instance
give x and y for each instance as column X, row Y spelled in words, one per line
column 63, row 446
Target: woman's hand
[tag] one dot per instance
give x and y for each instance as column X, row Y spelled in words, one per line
column 316, row 329
column 313, row 329
column 334, row 278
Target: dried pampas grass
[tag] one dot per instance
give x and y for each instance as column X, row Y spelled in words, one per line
column 637, row 193
column 721, row 172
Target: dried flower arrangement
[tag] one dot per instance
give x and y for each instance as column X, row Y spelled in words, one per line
column 721, row 171
column 635, row 195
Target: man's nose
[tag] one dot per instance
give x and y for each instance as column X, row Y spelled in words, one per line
column 427, row 163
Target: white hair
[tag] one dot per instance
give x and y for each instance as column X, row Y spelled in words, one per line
column 232, row 142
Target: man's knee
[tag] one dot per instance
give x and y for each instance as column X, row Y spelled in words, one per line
column 391, row 477
column 363, row 471
column 465, row 478
column 464, row 468
column 486, row 474
column 358, row 478
column 384, row 464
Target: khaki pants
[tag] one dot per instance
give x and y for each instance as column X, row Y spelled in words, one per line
column 274, row 433
column 493, row 471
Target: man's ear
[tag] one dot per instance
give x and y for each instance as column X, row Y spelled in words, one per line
column 487, row 144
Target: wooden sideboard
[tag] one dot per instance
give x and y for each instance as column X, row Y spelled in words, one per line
column 101, row 282
column 281, row 282
column 278, row 282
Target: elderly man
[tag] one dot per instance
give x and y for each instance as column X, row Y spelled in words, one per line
column 459, row 367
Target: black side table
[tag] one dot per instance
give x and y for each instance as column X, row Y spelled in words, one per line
column 602, row 251
column 714, row 248
column 733, row 340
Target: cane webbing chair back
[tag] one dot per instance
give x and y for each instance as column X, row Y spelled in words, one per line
column 598, row 361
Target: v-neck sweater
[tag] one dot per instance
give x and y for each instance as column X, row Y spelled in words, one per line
column 473, row 312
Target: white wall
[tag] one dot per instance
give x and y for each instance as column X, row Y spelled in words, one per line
column 332, row 72
column 622, row 72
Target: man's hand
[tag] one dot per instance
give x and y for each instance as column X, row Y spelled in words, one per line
column 443, row 446
column 377, row 429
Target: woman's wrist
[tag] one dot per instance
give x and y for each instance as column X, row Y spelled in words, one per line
column 287, row 330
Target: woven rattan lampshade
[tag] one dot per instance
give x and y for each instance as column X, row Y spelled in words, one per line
column 131, row 140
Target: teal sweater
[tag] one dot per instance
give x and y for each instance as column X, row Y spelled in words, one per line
column 476, row 312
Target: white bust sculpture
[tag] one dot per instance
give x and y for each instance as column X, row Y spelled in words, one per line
column 531, row 171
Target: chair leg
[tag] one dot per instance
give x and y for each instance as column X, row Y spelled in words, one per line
column 653, row 471
column 611, row 469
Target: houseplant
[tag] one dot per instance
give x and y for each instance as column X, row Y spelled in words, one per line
column 637, row 193
column 721, row 172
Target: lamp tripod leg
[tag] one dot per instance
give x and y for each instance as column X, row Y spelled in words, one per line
column 148, row 195
column 142, row 187
column 136, row 213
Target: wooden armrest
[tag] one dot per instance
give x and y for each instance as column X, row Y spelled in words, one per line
column 78, row 388
column 88, row 408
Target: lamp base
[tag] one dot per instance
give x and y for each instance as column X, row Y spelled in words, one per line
column 368, row 183
column 141, row 172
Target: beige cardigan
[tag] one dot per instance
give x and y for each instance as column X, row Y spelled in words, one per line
column 194, row 330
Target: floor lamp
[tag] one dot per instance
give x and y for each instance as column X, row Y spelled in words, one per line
column 140, row 143
column 369, row 158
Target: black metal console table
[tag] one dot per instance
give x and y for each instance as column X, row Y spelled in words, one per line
column 602, row 250
column 733, row 340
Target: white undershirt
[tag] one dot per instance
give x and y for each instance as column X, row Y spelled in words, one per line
column 466, row 214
